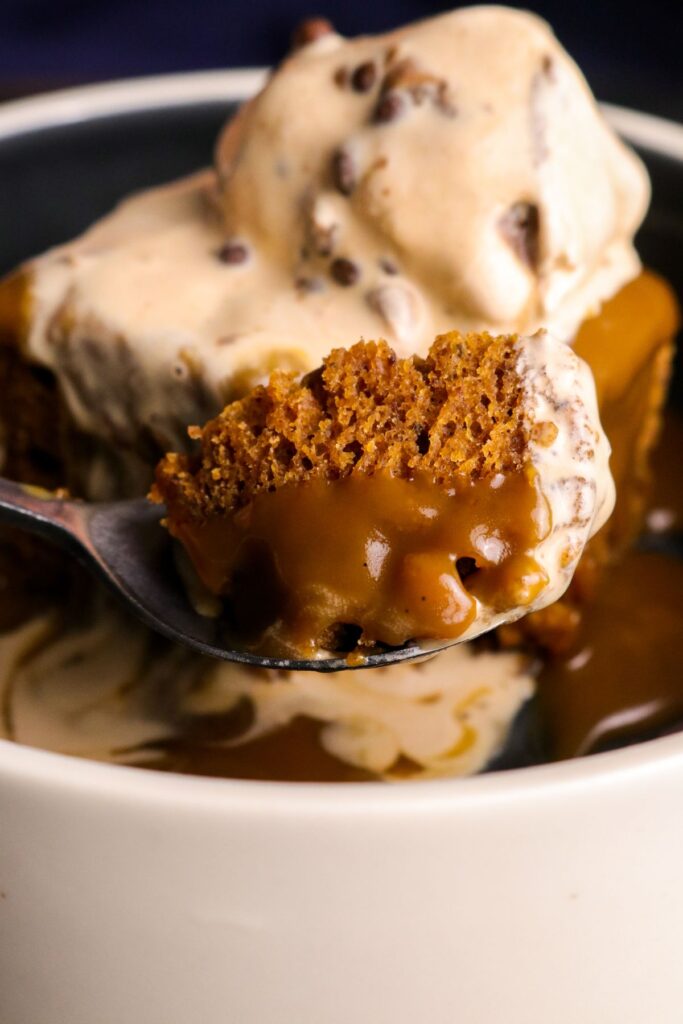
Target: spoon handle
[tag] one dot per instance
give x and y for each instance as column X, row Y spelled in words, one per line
column 40, row 512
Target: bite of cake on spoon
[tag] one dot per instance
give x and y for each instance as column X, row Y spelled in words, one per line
column 379, row 500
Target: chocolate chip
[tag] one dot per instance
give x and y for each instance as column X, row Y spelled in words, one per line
column 548, row 67
column 233, row 253
column 341, row 77
column 323, row 238
column 309, row 31
column 344, row 272
column 410, row 77
column 444, row 102
column 391, row 105
column 520, row 227
column 344, row 172
column 364, row 77
column 388, row 266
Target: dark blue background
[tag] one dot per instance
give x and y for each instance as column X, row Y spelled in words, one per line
column 631, row 52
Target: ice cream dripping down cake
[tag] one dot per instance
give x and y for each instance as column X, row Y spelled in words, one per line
column 397, row 187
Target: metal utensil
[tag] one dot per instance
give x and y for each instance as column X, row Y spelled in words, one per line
column 123, row 543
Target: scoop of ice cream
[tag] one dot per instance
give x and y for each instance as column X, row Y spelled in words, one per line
column 453, row 173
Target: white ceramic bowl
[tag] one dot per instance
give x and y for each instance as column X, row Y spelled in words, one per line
column 549, row 895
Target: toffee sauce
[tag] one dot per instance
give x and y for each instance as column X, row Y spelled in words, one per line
column 394, row 558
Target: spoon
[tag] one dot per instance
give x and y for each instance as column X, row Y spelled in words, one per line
column 124, row 544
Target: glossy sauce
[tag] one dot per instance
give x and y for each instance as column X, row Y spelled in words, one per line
column 397, row 559
column 623, row 678
column 628, row 346
column 291, row 754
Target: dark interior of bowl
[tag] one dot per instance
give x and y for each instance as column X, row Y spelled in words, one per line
column 57, row 181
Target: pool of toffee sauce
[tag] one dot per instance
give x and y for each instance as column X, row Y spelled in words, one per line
column 389, row 572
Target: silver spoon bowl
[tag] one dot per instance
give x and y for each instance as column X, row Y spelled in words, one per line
column 124, row 544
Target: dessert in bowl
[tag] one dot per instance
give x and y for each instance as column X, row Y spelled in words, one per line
column 368, row 191
column 107, row 691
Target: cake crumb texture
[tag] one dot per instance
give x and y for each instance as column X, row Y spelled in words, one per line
column 458, row 413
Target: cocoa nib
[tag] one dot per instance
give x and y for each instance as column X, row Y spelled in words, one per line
column 322, row 238
column 309, row 284
column 520, row 227
column 310, row 30
column 344, row 271
column 407, row 74
column 406, row 80
column 444, row 102
column 233, row 253
column 548, row 67
column 315, row 384
column 343, row 172
column 361, row 79
column 341, row 77
column 420, row 84
column 364, row 77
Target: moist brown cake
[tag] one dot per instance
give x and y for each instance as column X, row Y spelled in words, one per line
column 366, row 494
column 459, row 411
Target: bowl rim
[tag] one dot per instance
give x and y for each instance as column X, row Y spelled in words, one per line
column 83, row 777
column 73, row 105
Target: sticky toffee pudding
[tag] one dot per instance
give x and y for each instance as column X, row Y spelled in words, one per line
column 455, row 174
column 395, row 499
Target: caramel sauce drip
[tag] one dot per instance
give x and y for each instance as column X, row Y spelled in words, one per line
column 395, row 558
column 629, row 348
column 622, row 339
column 15, row 303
